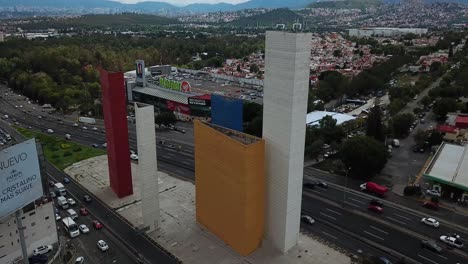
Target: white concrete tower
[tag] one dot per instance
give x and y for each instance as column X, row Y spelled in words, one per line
column 287, row 58
column 147, row 165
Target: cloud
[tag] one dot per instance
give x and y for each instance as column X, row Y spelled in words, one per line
column 184, row 2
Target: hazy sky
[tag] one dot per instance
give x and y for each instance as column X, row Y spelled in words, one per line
column 184, row 2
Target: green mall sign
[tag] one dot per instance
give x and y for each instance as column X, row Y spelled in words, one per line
column 175, row 85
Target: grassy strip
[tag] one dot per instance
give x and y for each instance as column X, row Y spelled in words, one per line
column 60, row 152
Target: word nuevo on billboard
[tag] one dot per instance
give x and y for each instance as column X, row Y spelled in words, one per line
column 20, row 180
column 175, row 85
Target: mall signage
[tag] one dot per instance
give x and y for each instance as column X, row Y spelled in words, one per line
column 175, row 85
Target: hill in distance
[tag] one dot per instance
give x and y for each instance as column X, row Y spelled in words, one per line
column 346, row 4
column 268, row 19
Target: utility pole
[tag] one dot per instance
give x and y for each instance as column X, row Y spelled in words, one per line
column 19, row 224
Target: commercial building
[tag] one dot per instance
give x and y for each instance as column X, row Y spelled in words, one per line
column 284, row 112
column 313, row 118
column 449, row 168
column 230, row 185
column 385, row 32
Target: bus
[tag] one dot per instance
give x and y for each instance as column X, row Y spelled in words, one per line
column 71, row 227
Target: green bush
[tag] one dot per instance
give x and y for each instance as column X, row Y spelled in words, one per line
column 67, row 153
column 77, row 149
column 55, row 156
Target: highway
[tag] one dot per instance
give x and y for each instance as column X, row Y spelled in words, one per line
column 180, row 163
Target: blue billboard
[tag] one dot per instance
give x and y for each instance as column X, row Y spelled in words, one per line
column 226, row 112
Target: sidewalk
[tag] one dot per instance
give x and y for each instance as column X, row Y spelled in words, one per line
column 180, row 234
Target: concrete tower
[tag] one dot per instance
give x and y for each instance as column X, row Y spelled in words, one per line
column 287, row 59
column 147, row 165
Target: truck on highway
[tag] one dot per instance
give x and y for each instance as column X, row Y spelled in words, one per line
column 62, row 202
column 373, row 187
column 60, row 189
column 71, row 227
column 87, row 120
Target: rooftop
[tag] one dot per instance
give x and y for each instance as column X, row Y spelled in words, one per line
column 449, row 166
column 314, row 118
column 244, row 138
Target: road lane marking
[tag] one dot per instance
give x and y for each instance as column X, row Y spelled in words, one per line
column 402, row 216
column 353, row 204
column 329, row 235
column 370, row 234
column 361, row 202
column 396, row 220
column 380, row 230
column 423, row 257
column 334, row 211
column 179, row 171
column 328, row 216
column 186, row 162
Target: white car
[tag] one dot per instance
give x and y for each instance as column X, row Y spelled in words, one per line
column 50, row 131
column 85, row 128
column 70, row 201
column 452, row 241
column 102, row 245
column 104, row 145
column 79, row 260
column 307, row 219
column 95, row 128
column 42, row 250
column 83, row 229
column 57, row 217
column 433, row 193
column 134, row 156
column 430, row 221
column 75, row 124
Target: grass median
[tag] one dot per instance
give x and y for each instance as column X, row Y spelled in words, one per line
column 60, row 152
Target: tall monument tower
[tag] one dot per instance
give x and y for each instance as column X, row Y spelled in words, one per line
column 287, row 59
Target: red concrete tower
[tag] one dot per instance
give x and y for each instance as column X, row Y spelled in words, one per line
column 115, row 120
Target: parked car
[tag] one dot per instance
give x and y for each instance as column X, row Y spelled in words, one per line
column 431, row 245
column 52, row 194
column 84, row 211
column 66, row 180
column 42, row 250
column 51, row 183
column 375, row 208
column 307, row 219
column 83, row 229
column 433, row 192
column 87, row 198
column 431, row 205
column 102, row 245
column 452, row 241
column 96, row 224
column 71, row 201
column 50, row 131
column 430, row 221
column 133, row 156
column 57, row 217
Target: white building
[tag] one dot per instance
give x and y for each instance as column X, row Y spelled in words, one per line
column 39, row 229
column 284, row 111
column 385, row 32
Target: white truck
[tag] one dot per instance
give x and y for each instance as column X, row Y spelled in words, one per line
column 71, row 213
column 60, row 189
column 62, row 202
column 87, row 120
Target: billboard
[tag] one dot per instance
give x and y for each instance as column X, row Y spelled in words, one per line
column 140, row 73
column 20, row 177
column 175, row 85
column 227, row 112
column 178, row 107
column 204, row 100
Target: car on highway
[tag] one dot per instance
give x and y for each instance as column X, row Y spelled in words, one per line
column 383, row 260
column 452, row 241
column 162, row 142
column 95, row 128
column 97, row 225
column 50, row 131
column 66, row 180
column 95, row 145
column 376, row 203
column 67, row 136
column 83, row 229
column 134, row 156
column 71, row 201
column 307, row 219
column 102, row 245
column 431, row 245
column 375, row 208
column 309, row 185
column 84, row 128
column 104, row 145
column 431, row 205
column 172, row 146
column 87, row 198
column 79, row 260
column 430, row 221
column 42, row 250
column 433, row 192
column 75, row 124
column 84, row 211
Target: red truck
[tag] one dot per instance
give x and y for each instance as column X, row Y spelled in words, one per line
column 373, row 187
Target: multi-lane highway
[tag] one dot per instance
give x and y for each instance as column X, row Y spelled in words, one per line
column 344, row 226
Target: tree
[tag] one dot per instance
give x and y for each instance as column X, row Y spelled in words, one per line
column 313, row 149
column 401, row 124
column 255, row 127
column 254, row 68
column 251, row 110
column 238, row 68
column 364, row 155
column 443, row 106
column 420, row 136
column 166, row 119
column 337, row 53
column 426, row 100
column 450, row 53
column 330, row 131
column 375, row 127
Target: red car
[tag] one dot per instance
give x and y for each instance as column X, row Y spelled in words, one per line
column 83, row 211
column 375, row 208
column 97, row 224
column 431, row 205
